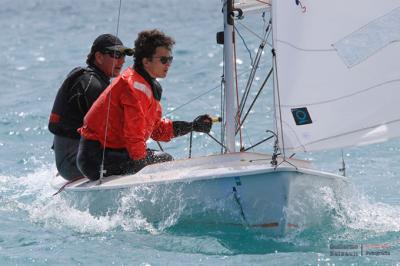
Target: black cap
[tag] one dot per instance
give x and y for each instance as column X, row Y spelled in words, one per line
column 108, row 42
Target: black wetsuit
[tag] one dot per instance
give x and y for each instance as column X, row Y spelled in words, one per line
column 78, row 92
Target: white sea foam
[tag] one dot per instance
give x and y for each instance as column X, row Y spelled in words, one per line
column 362, row 213
column 33, row 194
column 355, row 211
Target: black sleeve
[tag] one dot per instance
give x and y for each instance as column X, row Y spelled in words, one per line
column 93, row 90
column 86, row 90
column 182, row 127
column 77, row 99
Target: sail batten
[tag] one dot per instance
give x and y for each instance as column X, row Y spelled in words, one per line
column 378, row 34
column 377, row 132
column 337, row 72
column 326, row 101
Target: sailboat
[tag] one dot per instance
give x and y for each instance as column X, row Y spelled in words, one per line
column 335, row 77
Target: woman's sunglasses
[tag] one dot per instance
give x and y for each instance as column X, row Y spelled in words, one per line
column 165, row 59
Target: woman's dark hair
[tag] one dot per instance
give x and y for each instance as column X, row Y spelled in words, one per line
column 147, row 43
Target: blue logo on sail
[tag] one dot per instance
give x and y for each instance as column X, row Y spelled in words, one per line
column 301, row 116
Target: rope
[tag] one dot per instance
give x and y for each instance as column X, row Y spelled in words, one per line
column 222, row 111
column 245, row 44
column 217, row 141
column 69, row 182
column 193, row 99
column 279, row 103
column 250, row 30
column 258, row 143
column 102, row 171
column 202, row 94
column 254, row 100
column 254, row 70
column 159, row 145
column 237, row 115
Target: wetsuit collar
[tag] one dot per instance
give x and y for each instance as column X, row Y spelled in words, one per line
column 101, row 74
column 155, row 85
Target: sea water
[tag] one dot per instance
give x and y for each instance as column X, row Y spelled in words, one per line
column 42, row 40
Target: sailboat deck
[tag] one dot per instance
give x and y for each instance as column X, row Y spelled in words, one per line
column 214, row 166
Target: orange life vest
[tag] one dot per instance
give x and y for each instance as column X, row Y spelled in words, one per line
column 134, row 116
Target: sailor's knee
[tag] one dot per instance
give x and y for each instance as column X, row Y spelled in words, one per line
column 163, row 157
column 87, row 167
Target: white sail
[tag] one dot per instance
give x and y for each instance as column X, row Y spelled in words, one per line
column 337, row 72
column 252, row 5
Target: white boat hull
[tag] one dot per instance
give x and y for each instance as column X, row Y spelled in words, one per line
column 235, row 189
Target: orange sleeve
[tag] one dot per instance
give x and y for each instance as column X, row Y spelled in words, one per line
column 163, row 130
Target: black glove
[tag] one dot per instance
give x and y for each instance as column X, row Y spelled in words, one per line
column 202, row 123
column 182, row 128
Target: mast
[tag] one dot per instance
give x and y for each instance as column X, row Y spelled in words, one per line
column 229, row 73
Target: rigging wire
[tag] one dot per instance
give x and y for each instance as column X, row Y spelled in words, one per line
column 247, row 135
column 263, row 18
column 193, row 99
column 250, row 81
column 203, row 94
column 253, row 72
column 217, row 141
column 254, row 100
column 254, row 64
column 277, row 101
column 102, row 171
column 237, row 115
column 222, row 110
column 258, row 143
column 245, row 44
column 250, row 30
column 279, row 106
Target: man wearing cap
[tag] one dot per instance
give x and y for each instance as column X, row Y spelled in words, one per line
column 77, row 94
